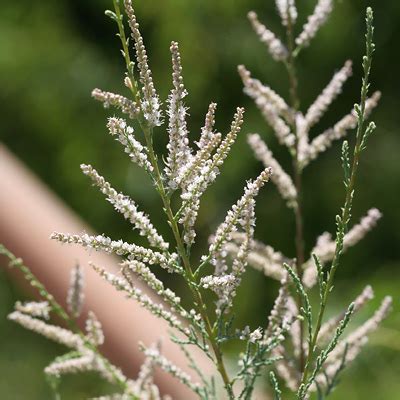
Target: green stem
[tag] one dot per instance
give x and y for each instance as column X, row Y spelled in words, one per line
column 346, row 210
column 338, row 251
column 299, row 235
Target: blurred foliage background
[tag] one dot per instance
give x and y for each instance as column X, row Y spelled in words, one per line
column 52, row 54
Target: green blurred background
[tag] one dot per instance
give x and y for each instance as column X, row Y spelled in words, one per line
column 53, row 53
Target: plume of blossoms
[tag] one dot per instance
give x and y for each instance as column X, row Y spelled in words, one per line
column 132, row 291
column 127, row 207
column 75, row 297
column 281, row 179
column 179, row 152
column 150, row 102
column 108, row 99
column 206, row 174
column 207, row 132
column 52, row 332
column 241, row 214
column 261, row 257
column 278, row 315
column 276, row 48
column 208, row 142
column 94, row 330
column 124, row 134
column 121, row 248
column 315, row 21
column 38, row 309
column 302, row 135
column 141, row 271
column 154, row 354
column 188, row 172
column 273, row 108
column 287, row 11
column 323, row 101
column 324, row 140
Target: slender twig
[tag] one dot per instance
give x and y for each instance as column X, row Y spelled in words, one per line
column 343, row 219
column 299, row 236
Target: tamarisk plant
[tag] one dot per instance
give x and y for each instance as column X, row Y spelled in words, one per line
column 315, row 352
column 315, row 357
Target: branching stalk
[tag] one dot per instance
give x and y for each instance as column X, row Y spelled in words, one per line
column 157, row 176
